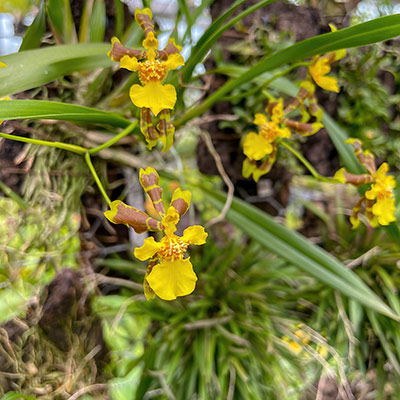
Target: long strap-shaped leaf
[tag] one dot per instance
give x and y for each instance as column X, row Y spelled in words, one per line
column 32, row 68
column 359, row 35
column 41, row 109
column 296, row 249
column 214, row 32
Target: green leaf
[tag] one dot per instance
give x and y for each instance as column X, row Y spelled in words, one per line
column 359, row 35
column 345, row 150
column 61, row 21
column 85, row 21
column 297, row 250
column 40, row 109
column 34, row 34
column 214, row 32
column 98, row 22
column 33, row 68
column 17, row 396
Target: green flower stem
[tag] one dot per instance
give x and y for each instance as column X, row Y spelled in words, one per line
column 59, row 145
column 12, row 195
column 115, row 139
column 307, row 164
column 96, row 178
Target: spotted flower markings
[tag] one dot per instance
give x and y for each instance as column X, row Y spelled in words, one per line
column 152, row 66
column 169, row 274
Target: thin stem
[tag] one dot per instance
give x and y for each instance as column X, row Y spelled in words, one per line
column 115, row 139
column 58, row 145
column 307, row 164
column 96, row 178
column 10, row 193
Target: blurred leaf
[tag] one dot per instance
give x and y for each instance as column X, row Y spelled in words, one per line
column 359, row 35
column 98, row 21
column 40, row 109
column 85, row 21
column 32, row 68
column 296, row 249
column 61, row 21
column 213, row 33
column 13, row 302
column 17, row 396
column 34, row 34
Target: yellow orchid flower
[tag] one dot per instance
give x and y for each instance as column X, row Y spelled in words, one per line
column 152, row 66
column 379, row 199
column 169, row 275
column 321, row 66
column 263, row 145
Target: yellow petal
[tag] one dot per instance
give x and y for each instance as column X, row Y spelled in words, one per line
column 339, row 175
column 150, row 43
column 328, row 83
column 145, row 11
column 170, row 221
column 174, row 61
column 130, row 63
column 153, row 95
column 260, row 119
column 248, row 167
column 284, row 132
column 2, row 65
column 149, row 249
column 195, row 235
column 171, row 279
column 255, row 146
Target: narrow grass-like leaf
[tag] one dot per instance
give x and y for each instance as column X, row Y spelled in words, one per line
column 98, row 22
column 119, row 18
column 61, row 21
column 33, row 68
column 359, row 35
column 213, row 33
column 34, row 34
column 299, row 251
column 85, row 21
column 40, row 109
column 17, row 396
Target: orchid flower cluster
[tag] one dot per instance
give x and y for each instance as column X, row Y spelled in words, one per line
column 262, row 146
column 379, row 199
column 169, row 274
column 152, row 65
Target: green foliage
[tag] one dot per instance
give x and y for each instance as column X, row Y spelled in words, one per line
column 223, row 339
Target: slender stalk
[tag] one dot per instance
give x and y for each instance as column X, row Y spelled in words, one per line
column 10, row 193
column 96, row 178
column 115, row 139
column 307, row 164
column 59, row 145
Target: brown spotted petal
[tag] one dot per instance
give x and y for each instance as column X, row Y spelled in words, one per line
column 181, row 201
column 143, row 18
column 366, row 159
column 149, row 180
column 118, row 51
column 170, row 48
column 120, row 213
column 301, row 128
